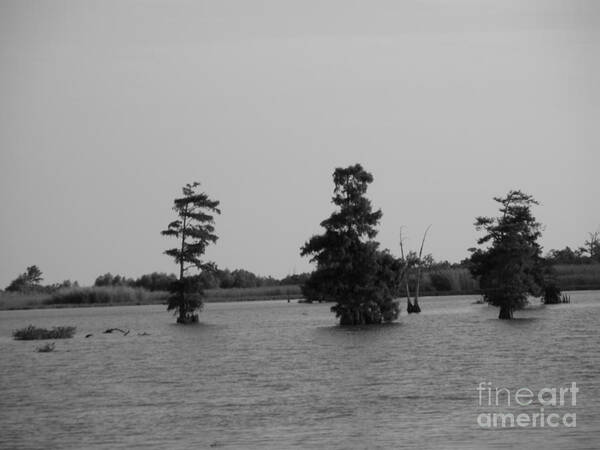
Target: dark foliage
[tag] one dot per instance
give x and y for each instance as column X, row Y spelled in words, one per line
column 108, row 279
column 29, row 281
column 511, row 267
column 241, row 278
column 194, row 231
column 298, row 279
column 588, row 253
column 207, row 279
column 155, row 281
column 440, row 282
column 552, row 294
column 351, row 270
column 30, row 333
column 567, row 256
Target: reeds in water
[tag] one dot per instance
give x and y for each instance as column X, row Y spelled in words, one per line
column 102, row 295
column 31, row 333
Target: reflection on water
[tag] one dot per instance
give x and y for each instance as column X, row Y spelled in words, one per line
column 283, row 375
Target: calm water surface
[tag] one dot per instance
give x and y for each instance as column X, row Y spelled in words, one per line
column 283, row 375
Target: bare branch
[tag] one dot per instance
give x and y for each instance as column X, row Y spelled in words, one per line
column 420, row 264
column 406, row 271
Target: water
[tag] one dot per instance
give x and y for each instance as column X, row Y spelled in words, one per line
column 283, row 375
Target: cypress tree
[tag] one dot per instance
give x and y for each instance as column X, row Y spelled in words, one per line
column 194, row 230
column 351, row 270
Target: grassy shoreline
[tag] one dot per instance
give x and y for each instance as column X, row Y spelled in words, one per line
column 125, row 296
column 445, row 282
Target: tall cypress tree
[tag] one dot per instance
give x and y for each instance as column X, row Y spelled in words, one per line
column 511, row 267
column 194, row 230
column 351, row 270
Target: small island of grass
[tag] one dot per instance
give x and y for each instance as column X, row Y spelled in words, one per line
column 31, row 333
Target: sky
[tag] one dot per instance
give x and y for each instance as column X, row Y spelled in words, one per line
column 109, row 107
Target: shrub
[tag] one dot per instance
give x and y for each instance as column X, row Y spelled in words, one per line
column 31, row 333
column 551, row 294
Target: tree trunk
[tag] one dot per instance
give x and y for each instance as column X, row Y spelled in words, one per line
column 186, row 319
column 356, row 316
column 182, row 309
column 347, row 318
column 506, row 312
column 416, row 307
column 409, row 306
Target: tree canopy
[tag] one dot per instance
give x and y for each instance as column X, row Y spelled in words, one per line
column 351, row 270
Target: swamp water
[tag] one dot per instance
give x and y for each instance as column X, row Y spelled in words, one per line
column 284, row 375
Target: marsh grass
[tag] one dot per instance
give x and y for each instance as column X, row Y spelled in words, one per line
column 284, row 292
column 82, row 296
column 452, row 281
column 123, row 295
column 570, row 277
column 113, row 295
column 31, row 333
column 17, row 300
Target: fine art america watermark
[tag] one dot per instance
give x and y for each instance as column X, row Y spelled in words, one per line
column 547, row 407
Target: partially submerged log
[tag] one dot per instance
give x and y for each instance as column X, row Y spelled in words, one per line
column 110, row 330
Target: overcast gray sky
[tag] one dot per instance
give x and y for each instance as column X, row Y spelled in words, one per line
column 108, row 107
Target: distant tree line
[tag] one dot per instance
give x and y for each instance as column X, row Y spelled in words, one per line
column 208, row 279
column 588, row 253
column 30, row 282
column 437, row 277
